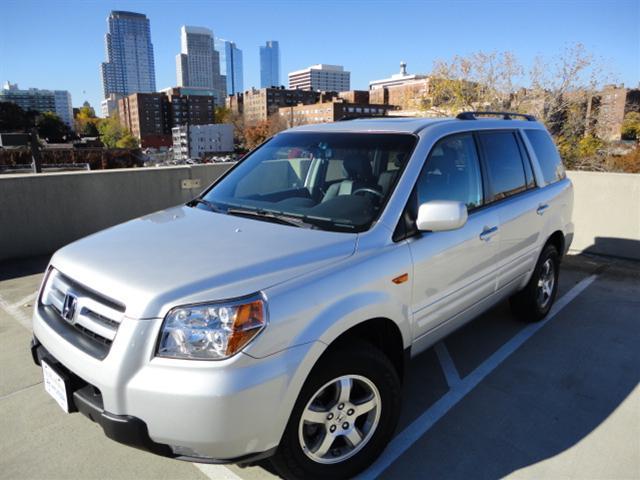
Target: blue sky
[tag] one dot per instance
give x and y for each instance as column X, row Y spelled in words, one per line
column 60, row 44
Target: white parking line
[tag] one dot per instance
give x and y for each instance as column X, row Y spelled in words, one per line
column 446, row 362
column 217, row 472
column 424, row 422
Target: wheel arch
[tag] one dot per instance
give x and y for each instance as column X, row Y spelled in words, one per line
column 381, row 332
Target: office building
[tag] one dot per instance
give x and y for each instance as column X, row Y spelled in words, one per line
column 396, row 79
column 270, row 65
column 109, row 106
column 198, row 63
column 230, row 65
column 197, row 141
column 259, row 104
column 56, row 101
column 321, row 78
column 130, row 65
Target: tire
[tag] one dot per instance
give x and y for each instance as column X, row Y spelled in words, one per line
column 533, row 303
column 367, row 371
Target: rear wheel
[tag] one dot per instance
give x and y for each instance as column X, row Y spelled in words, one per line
column 533, row 303
column 344, row 417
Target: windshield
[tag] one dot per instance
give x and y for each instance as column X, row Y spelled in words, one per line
column 331, row 181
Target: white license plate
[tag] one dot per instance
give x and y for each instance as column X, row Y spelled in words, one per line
column 55, row 386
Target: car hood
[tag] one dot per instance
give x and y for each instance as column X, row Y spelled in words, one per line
column 188, row 255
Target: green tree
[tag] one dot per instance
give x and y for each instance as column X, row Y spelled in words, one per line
column 127, row 141
column 52, row 129
column 86, row 122
column 631, row 126
column 111, row 132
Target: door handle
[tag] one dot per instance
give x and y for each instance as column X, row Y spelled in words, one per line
column 542, row 208
column 487, row 233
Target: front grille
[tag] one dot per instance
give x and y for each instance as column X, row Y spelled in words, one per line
column 93, row 315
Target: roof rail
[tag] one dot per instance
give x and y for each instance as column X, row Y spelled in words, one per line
column 505, row 115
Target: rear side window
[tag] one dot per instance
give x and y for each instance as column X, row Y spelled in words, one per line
column 505, row 168
column 548, row 157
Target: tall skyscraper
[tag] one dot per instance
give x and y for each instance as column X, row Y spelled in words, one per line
column 198, row 64
column 230, row 65
column 270, row 65
column 130, row 66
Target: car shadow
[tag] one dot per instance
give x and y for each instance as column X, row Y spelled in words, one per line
column 547, row 397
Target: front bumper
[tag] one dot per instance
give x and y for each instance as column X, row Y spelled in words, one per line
column 125, row 429
column 231, row 411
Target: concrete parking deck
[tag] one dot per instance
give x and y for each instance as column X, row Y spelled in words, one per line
column 496, row 399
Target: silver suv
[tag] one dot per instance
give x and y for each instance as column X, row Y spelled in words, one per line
column 274, row 315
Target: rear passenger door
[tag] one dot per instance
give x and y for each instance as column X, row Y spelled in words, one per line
column 453, row 270
column 511, row 192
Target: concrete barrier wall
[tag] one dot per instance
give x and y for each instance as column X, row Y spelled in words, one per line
column 41, row 213
column 606, row 213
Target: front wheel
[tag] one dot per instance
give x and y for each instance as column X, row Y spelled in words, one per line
column 533, row 303
column 344, row 417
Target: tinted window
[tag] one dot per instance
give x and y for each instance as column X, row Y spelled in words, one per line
column 550, row 163
column 504, row 164
column 452, row 172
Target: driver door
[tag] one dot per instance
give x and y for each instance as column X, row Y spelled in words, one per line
column 453, row 270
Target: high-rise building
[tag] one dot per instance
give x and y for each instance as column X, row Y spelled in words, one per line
column 198, row 63
column 56, row 101
column 270, row 65
column 130, row 65
column 230, row 65
column 321, row 77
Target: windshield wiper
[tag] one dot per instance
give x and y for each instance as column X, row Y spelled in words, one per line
column 211, row 206
column 270, row 216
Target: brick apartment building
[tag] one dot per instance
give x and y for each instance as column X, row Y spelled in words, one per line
column 334, row 107
column 151, row 116
column 609, row 107
column 259, row 104
column 331, row 111
column 145, row 115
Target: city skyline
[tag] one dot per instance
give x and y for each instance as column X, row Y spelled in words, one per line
column 610, row 33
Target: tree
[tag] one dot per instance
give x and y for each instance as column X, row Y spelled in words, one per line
column 14, row 119
column 257, row 133
column 631, row 126
column 111, row 132
column 479, row 81
column 128, row 141
column 86, row 122
column 52, row 129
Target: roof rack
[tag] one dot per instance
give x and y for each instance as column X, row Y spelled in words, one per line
column 505, row 115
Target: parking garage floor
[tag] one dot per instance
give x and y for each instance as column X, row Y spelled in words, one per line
column 498, row 398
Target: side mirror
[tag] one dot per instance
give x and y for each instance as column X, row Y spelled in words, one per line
column 440, row 215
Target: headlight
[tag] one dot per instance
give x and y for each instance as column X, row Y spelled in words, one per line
column 211, row 331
